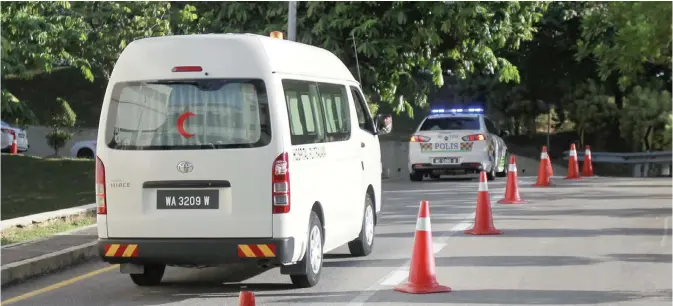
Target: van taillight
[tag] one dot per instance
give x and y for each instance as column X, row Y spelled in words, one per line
column 101, row 201
column 280, row 184
column 474, row 137
column 417, row 138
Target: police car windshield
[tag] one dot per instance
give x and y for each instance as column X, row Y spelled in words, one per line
column 450, row 123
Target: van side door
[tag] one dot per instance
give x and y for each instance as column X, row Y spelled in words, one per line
column 370, row 157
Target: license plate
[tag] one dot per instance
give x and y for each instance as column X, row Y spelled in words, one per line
column 188, row 199
column 445, row 160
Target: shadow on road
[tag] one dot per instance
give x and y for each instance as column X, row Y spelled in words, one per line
column 554, row 232
column 483, row 296
column 473, row 261
column 607, row 212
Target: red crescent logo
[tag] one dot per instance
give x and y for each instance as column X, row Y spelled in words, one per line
column 181, row 124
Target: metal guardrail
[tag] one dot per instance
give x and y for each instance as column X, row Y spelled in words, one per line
column 644, row 164
column 626, row 158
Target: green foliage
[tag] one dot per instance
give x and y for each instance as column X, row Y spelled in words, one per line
column 623, row 36
column 645, row 109
column 63, row 119
column 592, row 110
column 14, row 110
column 62, row 115
column 509, row 55
column 57, row 139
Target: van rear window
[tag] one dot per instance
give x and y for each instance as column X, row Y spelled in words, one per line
column 194, row 114
column 450, row 123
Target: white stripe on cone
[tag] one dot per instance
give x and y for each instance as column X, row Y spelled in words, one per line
column 587, row 153
column 423, row 224
column 543, row 155
column 512, row 167
column 483, row 186
column 573, row 153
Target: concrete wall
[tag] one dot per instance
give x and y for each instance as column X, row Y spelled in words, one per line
column 38, row 142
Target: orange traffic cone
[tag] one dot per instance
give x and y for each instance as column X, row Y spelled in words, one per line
column 573, row 166
column 422, row 276
column 512, row 187
column 543, row 176
column 483, row 220
column 246, row 298
column 587, row 167
column 550, row 169
column 14, row 148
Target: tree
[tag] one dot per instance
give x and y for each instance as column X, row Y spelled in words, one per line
column 625, row 37
column 404, row 49
column 62, row 121
column 645, row 116
column 38, row 37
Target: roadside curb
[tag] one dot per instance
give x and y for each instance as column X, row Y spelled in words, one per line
column 22, row 270
column 46, row 216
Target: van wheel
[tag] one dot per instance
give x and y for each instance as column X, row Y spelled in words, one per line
column 151, row 277
column 313, row 257
column 415, row 176
column 363, row 245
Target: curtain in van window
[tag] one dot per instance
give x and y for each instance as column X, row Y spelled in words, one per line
column 224, row 113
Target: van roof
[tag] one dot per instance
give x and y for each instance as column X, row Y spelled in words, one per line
column 268, row 54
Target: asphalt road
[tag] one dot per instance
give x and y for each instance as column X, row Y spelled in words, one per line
column 598, row 241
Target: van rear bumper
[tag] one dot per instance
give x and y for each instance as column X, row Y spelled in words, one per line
column 207, row 251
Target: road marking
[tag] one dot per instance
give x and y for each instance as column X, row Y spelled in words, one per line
column 664, row 236
column 58, row 285
column 400, row 274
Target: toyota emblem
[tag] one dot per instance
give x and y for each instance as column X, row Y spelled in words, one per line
column 185, row 167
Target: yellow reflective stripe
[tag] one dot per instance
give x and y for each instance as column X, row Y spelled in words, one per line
column 246, row 250
column 129, row 250
column 112, row 250
column 266, row 250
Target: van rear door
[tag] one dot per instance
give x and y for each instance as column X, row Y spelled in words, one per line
column 188, row 158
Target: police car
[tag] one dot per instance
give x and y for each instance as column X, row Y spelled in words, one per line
column 459, row 141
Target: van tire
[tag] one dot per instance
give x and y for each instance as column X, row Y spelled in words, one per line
column 150, row 277
column 361, row 246
column 310, row 278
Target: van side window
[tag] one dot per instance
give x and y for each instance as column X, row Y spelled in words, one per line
column 304, row 112
column 335, row 108
column 364, row 120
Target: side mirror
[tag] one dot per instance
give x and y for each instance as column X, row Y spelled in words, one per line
column 384, row 123
column 504, row 133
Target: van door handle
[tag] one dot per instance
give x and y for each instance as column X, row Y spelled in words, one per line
column 362, row 145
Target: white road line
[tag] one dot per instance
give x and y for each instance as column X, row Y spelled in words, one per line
column 664, row 236
column 400, row 274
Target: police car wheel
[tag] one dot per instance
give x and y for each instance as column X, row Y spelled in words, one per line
column 151, row 276
column 416, row 177
column 490, row 175
column 505, row 168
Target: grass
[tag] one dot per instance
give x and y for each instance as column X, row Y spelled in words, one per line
column 45, row 229
column 32, row 185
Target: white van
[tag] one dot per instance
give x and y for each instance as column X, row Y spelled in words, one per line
column 218, row 149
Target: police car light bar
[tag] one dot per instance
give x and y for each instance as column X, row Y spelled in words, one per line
column 458, row 110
